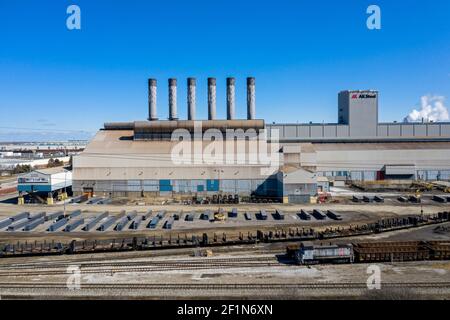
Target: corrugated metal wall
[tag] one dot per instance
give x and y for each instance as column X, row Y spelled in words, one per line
column 269, row 187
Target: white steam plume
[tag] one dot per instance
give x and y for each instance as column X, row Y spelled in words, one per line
column 432, row 109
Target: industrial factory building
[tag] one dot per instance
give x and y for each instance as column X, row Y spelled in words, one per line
column 246, row 157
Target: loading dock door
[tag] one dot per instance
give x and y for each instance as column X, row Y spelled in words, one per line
column 212, row 185
column 88, row 191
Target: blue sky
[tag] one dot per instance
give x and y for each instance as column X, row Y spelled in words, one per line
column 55, row 82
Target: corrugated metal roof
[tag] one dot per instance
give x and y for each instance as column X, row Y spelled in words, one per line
column 51, row 170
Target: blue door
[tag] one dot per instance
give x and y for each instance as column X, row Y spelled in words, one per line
column 212, row 185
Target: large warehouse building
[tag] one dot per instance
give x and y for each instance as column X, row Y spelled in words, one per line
column 176, row 158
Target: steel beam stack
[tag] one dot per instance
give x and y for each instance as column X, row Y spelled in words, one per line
column 74, row 225
column 74, row 214
column 18, row 225
column 96, row 220
column 33, row 224
column 58, row 224
column 54, row 216
column 108, row 223
column 169, row 223
column 263, row 214
column 37, row 216
column 131, row 215
column 121, row 224
column 6, row 222
column 318, row 214
column 20, row 216
column 161, row 214
column 147, row 215
column 136, row 222
column 153, row 223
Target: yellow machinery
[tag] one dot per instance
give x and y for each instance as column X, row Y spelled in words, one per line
column 429, row 186
column 220, row 216
column 423, row 186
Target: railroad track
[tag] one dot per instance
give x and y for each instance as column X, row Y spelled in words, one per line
column 133, row 255
column 217, row 287
column 159, row 268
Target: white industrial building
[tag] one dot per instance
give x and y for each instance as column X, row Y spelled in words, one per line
column 136, row 158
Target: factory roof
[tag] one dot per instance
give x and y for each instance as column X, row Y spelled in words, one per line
column 54, row 170
column 121, row 142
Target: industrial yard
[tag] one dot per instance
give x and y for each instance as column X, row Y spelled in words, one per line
column 203, row 218
column 258, row 271
column 229, row 264
column 129, row 219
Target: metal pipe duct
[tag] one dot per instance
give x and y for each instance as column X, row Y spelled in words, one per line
column 230, row 98
column 173, row 99
column 211, row 99
column 191, row 98
column 251, row 98
column 170, row 126
column 119, row 125
column 152, row 115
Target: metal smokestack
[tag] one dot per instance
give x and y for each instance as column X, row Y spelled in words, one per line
column 173, row 99
column 211, row 98
column 230, row 98
column 251, row 98
column 152, row 100
column 191, row 98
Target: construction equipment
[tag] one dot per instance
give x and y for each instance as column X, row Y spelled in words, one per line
column 422, row 186
column 220, row 216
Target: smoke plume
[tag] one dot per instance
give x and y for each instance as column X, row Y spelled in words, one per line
column 432, row 108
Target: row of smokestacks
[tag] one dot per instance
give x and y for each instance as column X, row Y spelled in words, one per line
column 191, row 99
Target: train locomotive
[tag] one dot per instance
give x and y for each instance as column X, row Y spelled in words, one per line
column 308, row 253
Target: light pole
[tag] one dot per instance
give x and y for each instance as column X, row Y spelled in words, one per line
column 65, row 191
column 218, row 187
column 420, row 199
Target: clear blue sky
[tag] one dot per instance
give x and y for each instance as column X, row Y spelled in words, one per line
column 302, row 54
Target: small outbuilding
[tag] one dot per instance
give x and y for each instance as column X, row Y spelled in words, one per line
column 44, row 183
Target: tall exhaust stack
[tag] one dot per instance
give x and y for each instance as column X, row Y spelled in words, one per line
column 152, row 116
column 173, row 99
column 230, row 98
column 251, row 98
column 191, row 98
column 211, row 98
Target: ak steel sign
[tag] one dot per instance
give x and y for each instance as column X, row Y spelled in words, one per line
column 364, row 95
column 33, row 178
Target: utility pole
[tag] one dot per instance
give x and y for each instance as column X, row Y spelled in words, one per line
column 65, row 190
column 421, row 204
column 218, row 189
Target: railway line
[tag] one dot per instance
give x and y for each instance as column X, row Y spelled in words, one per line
column 202, row 261
column 221, row 286
column 127, row 269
